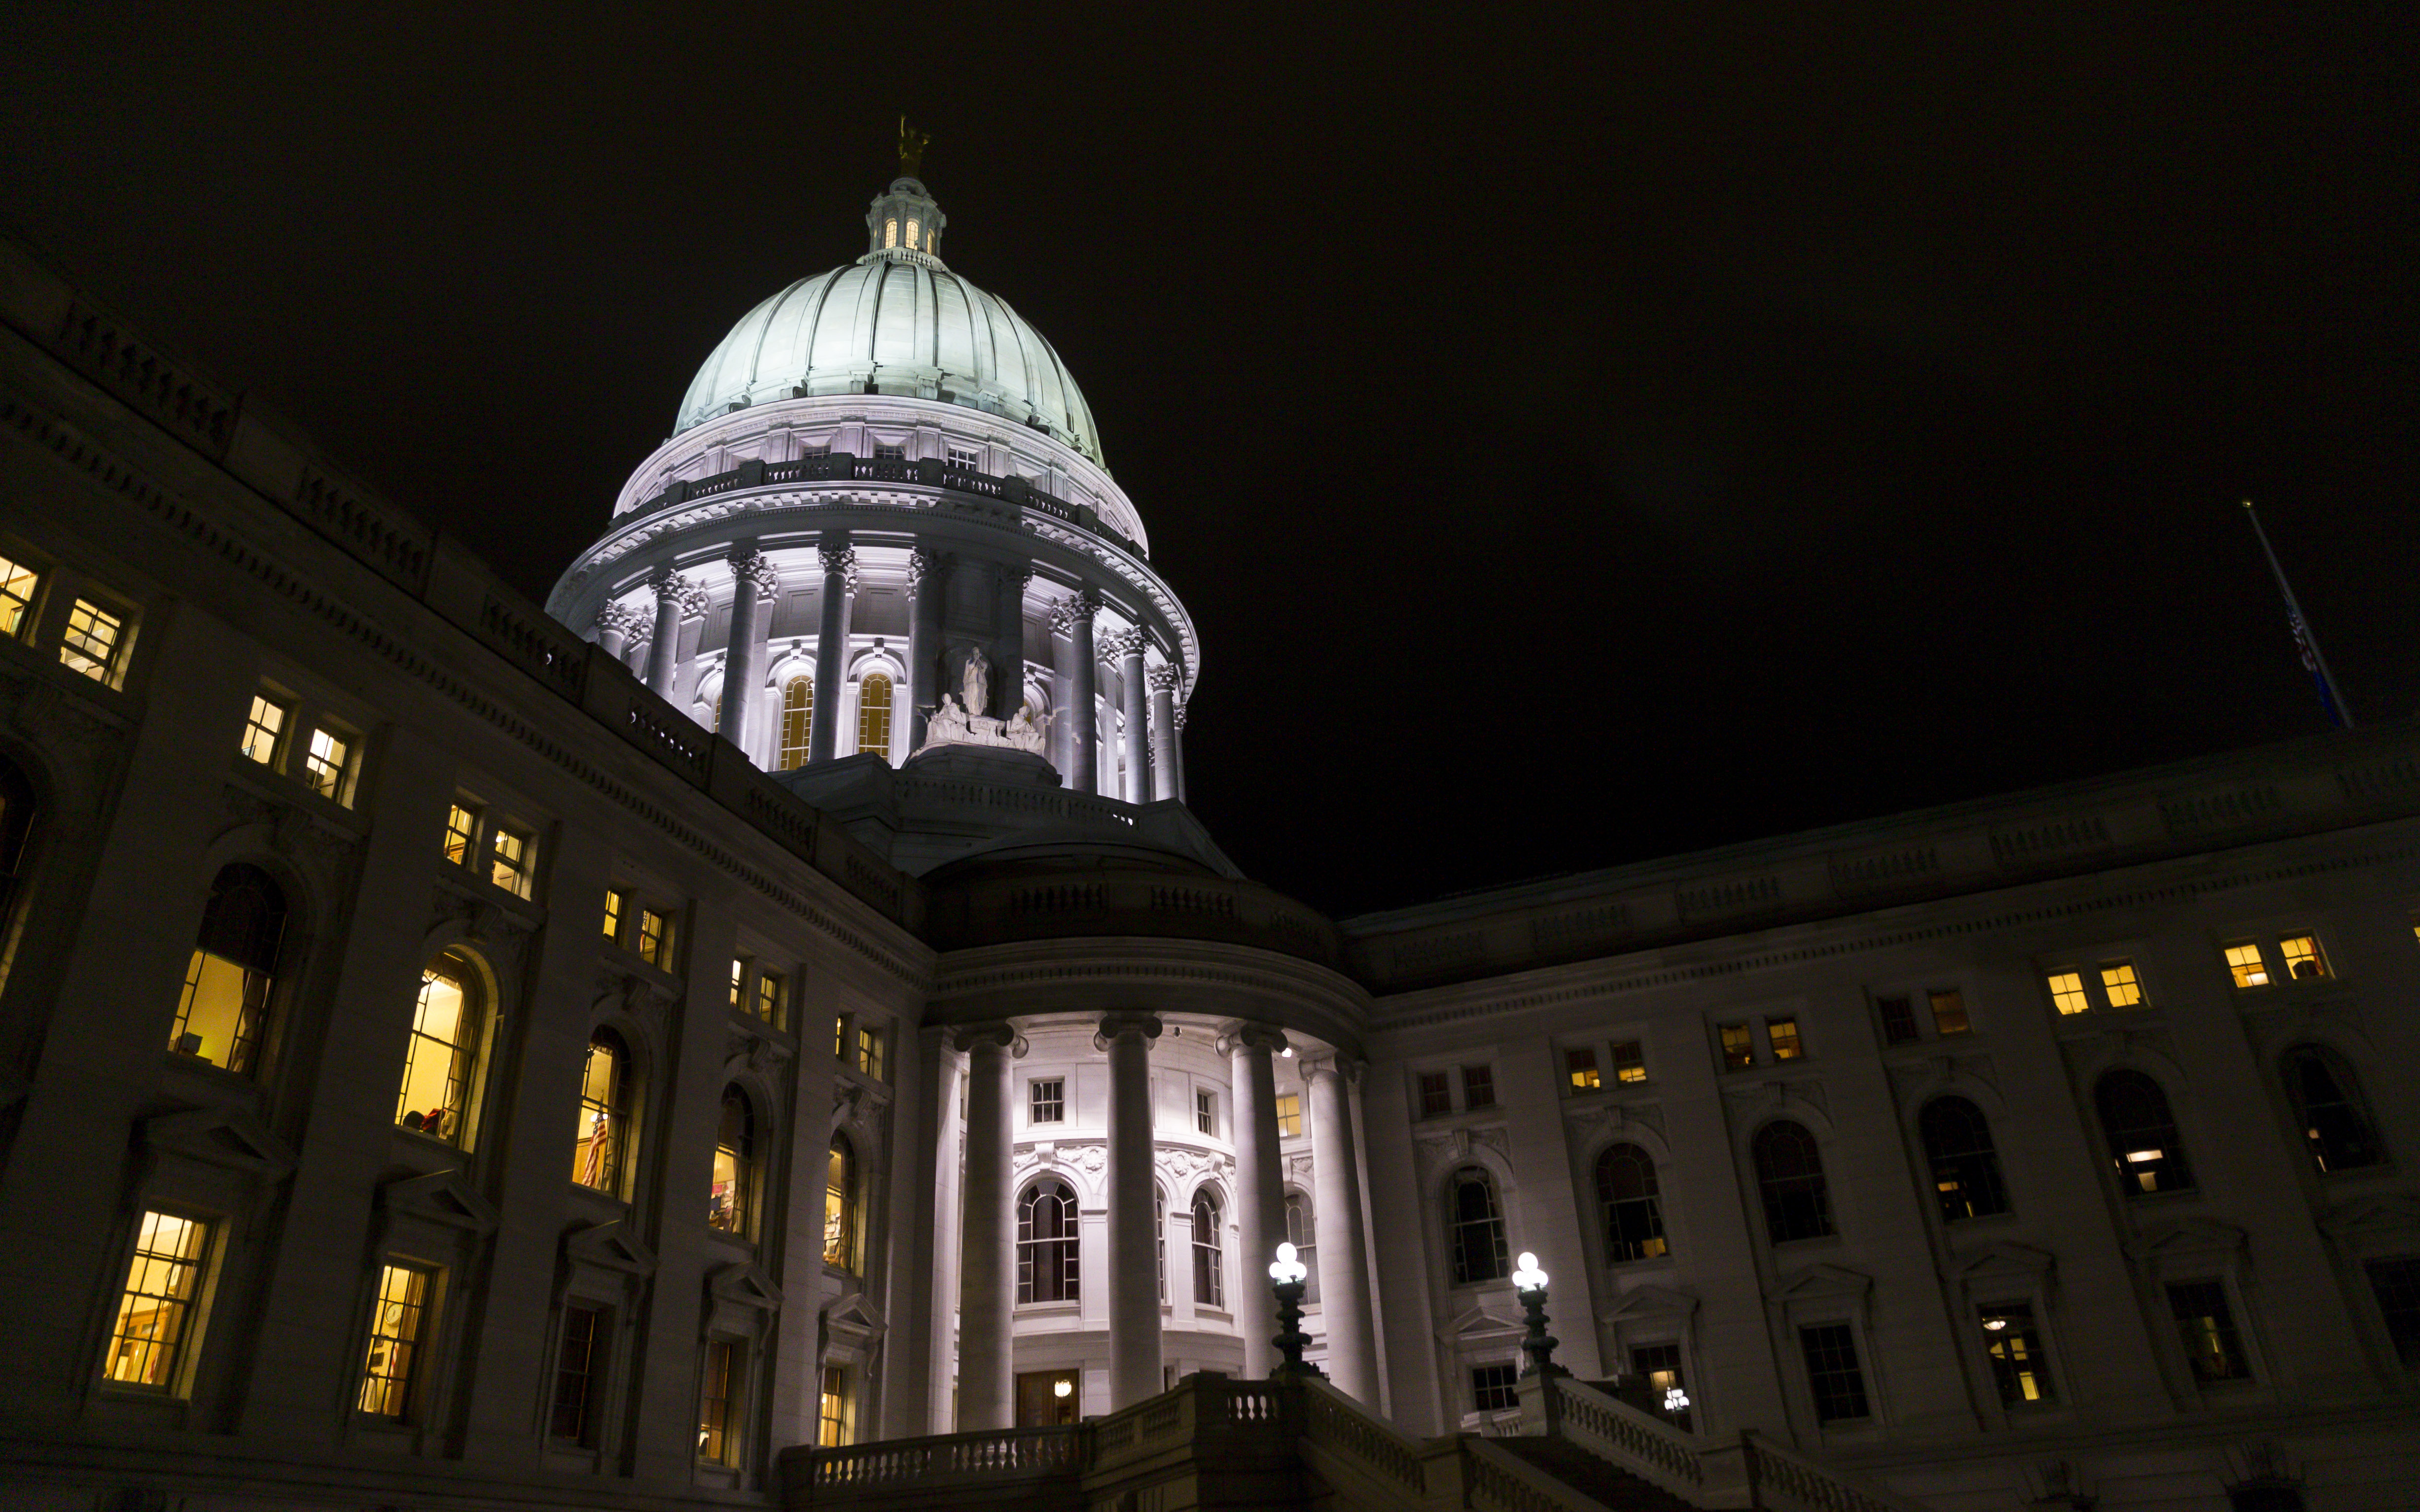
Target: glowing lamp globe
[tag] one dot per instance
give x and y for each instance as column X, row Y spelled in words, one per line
column 1529, row 1278
column 1285, row 1270
column 1062, row 1387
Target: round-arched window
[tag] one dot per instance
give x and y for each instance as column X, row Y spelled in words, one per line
column 603, row 1145
column 443, row 1052
column 1630, row 1204
column 2144, row 1145
column 1958, row 1151
column 1790, row 1177
column 735, row 1164
column 1209, row 1262
column 225, row 1006
column 1475, row 1227
column 1047, row 1264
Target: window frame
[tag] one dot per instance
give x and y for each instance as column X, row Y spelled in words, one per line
column 614, row 1110
column 469, row 1055
column 1486, row 1230
column 1048, row 1093
column 1210, row 1252
column 1062, row 1248
column 1847, row 1332
column 1818, row 1184
column 745, row 1149
column 592, row 1374
column 410, row 1387
column 1621, row 1245
column 184, row 1351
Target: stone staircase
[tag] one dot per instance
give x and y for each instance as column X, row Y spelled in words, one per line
column 1603, row 1483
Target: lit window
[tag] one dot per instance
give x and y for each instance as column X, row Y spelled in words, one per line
column 1783, row 1035
column 1478, row 1087
column 597, row 1152
column 1965, row 1168
column 1046, row 1100
column 1436, row 1094
column 891, row 231
column 1289, row 1115
column 840, row 1048
column 460, row 824
column 1478, row 1227
column 1048, row 1256
column 263, row 728
column 735, row 1164
column 1790, row 1177
column 1205, row 1112
column 655, row 938
column 869, row 1051
column 963, row 459
column 394, row 1338
column 1629, row 1062
column 913, row 228
column 327, row 762
column 2067, row 992
column 614, row 906
column 2303, row 959
column 1630, row 1204
column 1659, row 1365
column 718, row 1439
column 2124, row 990
column 1579, row 1069
column 1209, row 1263
column 798, row 722
column 2206, row 1327
column 838, row 1413
column 155, row 1310
column 2245, row 963
column 1493, row 1388
column 1739, row 1047
column 874, row 714
column 225, row 1000
column 1898, row 1020
column 2142, row 1134
column 738, row 982
column 1832, row 1372
column 438, row 1060
column 769, row 998
column 516, row 860
column 1948, row 1011
column 2018, row 1364
column 840, row 1205
column 17, row 584
column 575, row 1373
column 92, row 641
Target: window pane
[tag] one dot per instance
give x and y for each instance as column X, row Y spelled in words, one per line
column 2067, row 992
column 1046, row 1253
column 154, row 1309
column 1898, row 1020
column 735, row 1158
column 325, row 763
column 575, row 1366
column 1493, row 1388
column 1948, row 1011
column 2396, row 1284
column 2142, row 1134
column 394, row 1336
column 2321, row 1085
column 596, row 1147
column 1840, row 1386
column 840, row 1206
column 1629, row 1062
column 1478, row 1087
column 1290, row 1115
column 516, row 858
column 1783, row 1033
column 437, row 1058
column 769, row 998
column 873, row 715
column 1046, row 1100
column 2303, row 959
column 837, row 1414
column 2014, row 1346
column 798, row 722
column 613, row 914
column 2244, row 962
column 1209, row 1269
column 1965, row 1169
column 17, row 584
column 1629, row 1204
column 2117, row 981
column 1580, row 1065
column 715, row 1440
column 1739, row 1049
column 90, row 644
column 2206, row 1327
column 262, row 730
column 1790, row 1176
column 869, row 1051
column 224, row 1005
column 1478, row 1228
column 459, row 824
column 1205, row 1112
column 1436, row 1094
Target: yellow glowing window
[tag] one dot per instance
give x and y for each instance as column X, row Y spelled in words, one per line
column 1290, row 1115
column 461, row 824
column 596, row 1151
column 869, row 1052
column 769, row 998
column 2067, row 992
column 1949, row 1012
column 2303, row 959
column 17, row 585
column 873, row 715
column 516, row 860
column 1739, row 1049
column 840, row 1205
column 225, row 1001
column 655, row 938
column 734, row 1165
column 91, row 643
column 1629, row 1062
column 717, row 1440
column 738, row 981
column 394, row 1341
column 614, row 906
column 838, row 1413
column 1579, row 1068
column 325, row 763
column 438, row 1057
column 1783, row 1033
column 891, row 231
column 2245, row 963
column 912, row 230
column 262, row 730
column 155, row 1310
column 2118, row 979
column 839, row 1047
column 798, row 722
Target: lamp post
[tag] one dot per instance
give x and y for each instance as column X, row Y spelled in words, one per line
column 1530, row 1285
column 1287, row 1276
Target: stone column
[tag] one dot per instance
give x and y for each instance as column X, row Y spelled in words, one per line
column 1083, row 734
column 1163, row 732
column 1134, row 1271
column 1259, row 1187
column 1176, row 750
column 1135, row 702
column 1062, row 631
column 752, row 581
column 987, row 1247
column 831, row 648
column 1343, row 1266
column 926, row 582
column 1008, row 641
column 676, row 595
column 614, row 627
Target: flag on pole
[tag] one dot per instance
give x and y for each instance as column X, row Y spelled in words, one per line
column 2305, row 642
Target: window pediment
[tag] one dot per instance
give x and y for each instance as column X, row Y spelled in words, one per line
column 2008, row 1261
column 2186, row 1235
column 1826, row 1282
column 440, row 1197
column 226, row 1137
column 1650, row 1301
column 609, row 1246
column 743, row 1283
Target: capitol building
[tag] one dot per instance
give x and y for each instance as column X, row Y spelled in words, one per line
column 764, row 1027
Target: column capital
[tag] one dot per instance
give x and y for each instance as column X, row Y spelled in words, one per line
column 670, row 587
column 839, row 559
column 1329, row 1063
column 1063, row 619
column 749, row 563
column 1264, row 1037
column 1081, row 605
column 1123, row 644
column 1180, row 713
column 921, row 561
column 629, row 621
column 999, row 1032
column 1164, row 678
column 1115, row 1027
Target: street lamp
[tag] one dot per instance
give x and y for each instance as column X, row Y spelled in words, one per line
column 1287, row 1276
column 1529, row 1284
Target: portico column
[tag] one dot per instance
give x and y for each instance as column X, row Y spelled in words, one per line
column 987, row 1243
column 1135, row 699
column 752, row 577
column 1176, row 749
column 1134, row 1271
column 1063, row 630
column 1259, row 1187
column 1163, row 732
column 1083, row 734
column 923, row 641
column 1008, row 641
column 614, row 627
column 831, row 648
column 675, row 597
column 1343, row 1266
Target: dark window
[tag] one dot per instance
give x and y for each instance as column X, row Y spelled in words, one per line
column 1627, row 1200
column 2206, row 1326
column 2142, row 1134
column 225, row 1001
column 2019, row 1367
column 1739, row 1047
column 1948, row 1011
column 2324, row 1096
column 1478, row 1228
column 575, row 1372
column 717, row 1388
column 2396, row 1281
column 1209, row 1268
column 1789, row 1174
column 1832, row 1371
column 1478, row 1087
column 1629, row 1064
column 1436, row 1094
column 2265, row 1496
column 1046, row 1100
column 1305, row 1239
column 1493, row 1388
column 1965, row 1171
column 1046, row 1244
column 1898, row 1020
column 1660, row 1365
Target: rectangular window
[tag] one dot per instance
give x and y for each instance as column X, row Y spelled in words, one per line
column 2018, row 1364
column 1046, row 1101
column 1289, row 1115
column 1579, row 1069
column 961, row 458
column 1783, row 1035
column 717, row 1444
column 461, row 824
column 738, row 982
column 17, row 584
column 2396, row 1284
column 840, row 1043
column 869, row 1052
column 1948, row 1011
column 1436, row 1094
column 1832, row 1372
column 838, row 1413
column 2206, row 1327
column 614, row 904
column 2117, row 981
column 575, row 1372
column 2067, row 992
column 395, row 1323
column 516, row 860
column 93, row 638
column 2303, row 959
column 1492, row 1388
column 264, row 730
column 1478, row 1087
column 328, row 762
column 769, row 997
column 1898, row 1020
column 889, row 454
column 1205, row 1112
column 1660, row 1364
column 155, row 1311
column 1739, row 1047
column 2245, row 963
column 1629, row 1062
column 655, row 938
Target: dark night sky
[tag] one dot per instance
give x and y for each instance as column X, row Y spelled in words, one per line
column 1579, row 439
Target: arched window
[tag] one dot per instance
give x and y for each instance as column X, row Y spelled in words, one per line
column 913, row 230
column 1790, row 1175
column 2327, row 1104
column 1159, row 1239
column 735, row 1164
column 1209, row 1263
column 16, row 822
column 874, row 714
column 1965, row 1169
column 1478, row 1227
column 438, row 1063
column 1304, row 1237
column 1628, row 1201
column 1046, row 1263
column 225, row 1003
column 798, row 721
column 840, row 1205
column 891, row 231
column 2142, row 1134
column 604, row 1141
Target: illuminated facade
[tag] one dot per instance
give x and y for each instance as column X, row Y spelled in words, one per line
column 775, row 997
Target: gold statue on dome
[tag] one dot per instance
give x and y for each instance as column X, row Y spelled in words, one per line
column 911, row 148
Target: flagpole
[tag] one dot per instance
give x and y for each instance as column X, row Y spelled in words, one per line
column 2329, row 693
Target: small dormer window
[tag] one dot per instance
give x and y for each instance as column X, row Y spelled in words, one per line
column 912, row 229
column 890, row 232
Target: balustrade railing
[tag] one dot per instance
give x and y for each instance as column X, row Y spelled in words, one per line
column 840, row 467
column 1008, row 1452
column 1333, row 1422
column 1614, row 1430
column 1787, row 1481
